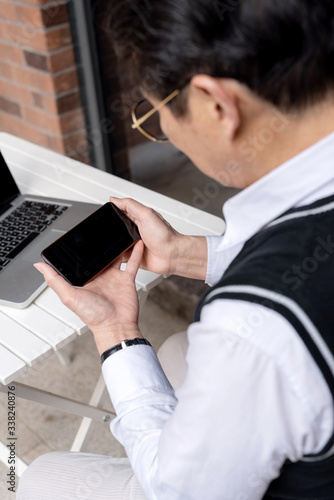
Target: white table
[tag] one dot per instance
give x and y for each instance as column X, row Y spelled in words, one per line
column 30, row 335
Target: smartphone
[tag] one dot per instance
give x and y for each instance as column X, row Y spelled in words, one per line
column 92, row 245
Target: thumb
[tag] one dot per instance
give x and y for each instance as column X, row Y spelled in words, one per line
column 63, row 289
column 134, row 261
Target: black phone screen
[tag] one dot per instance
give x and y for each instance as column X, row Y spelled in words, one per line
column 88, row 248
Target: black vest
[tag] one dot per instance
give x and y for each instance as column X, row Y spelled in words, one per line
column 289, row 267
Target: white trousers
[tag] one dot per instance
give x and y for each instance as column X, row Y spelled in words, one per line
column 85, row 476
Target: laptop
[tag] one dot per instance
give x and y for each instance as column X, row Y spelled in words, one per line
column 28, row 224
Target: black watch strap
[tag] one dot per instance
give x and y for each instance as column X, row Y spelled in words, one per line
column 123, row 345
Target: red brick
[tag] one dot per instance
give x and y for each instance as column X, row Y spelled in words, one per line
column 55, row 104
column 43, row 120
column 66, row 80
column 3, row 32
column 46, row 16
column 31, row 16
column 72, row 121
column 68, row 102
column 7, row 10
column 74, row 145
column 55, row 143
column 9, row 106
column 37, row 100
column 15, row 92
column 27, row 36
column 54, row 14
column 58, row 37
column 62, row 59
column 32, row 37
column 11, row 52
column 6, row 70
column 33, row 79
column 35, row 60
column 41, row 101
column 19, row 127
column 50, row 142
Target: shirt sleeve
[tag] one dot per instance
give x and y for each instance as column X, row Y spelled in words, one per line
column 246, row 406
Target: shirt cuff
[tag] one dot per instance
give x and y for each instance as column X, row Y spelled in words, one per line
column 130, row 372
column 215, row 258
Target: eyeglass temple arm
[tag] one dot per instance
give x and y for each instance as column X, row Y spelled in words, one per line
column 153, row 110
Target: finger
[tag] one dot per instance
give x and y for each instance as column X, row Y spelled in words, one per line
column 133, row 209
column 63, row 289
column 135, row 259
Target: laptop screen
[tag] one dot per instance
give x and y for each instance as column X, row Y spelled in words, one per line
column 8, row 187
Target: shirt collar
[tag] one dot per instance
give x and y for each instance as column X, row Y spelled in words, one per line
column 283, row 188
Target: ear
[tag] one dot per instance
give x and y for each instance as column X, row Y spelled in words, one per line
column 223, row 96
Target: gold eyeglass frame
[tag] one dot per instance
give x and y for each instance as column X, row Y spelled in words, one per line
column 138, row 122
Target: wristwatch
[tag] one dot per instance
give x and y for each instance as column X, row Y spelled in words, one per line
column 123, row 345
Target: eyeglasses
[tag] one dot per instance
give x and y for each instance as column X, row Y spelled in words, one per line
column 140, row 115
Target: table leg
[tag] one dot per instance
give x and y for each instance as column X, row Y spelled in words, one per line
column 142, row 296
column 59, row 402
column 66, row 354
column 86, row 426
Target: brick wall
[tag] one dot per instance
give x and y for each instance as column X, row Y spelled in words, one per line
column 39, row 90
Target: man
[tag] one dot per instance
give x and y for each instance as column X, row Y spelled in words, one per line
column 245, row 89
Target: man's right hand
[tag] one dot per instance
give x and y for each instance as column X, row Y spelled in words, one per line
column 166, row 251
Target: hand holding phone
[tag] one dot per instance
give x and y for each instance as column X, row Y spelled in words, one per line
column 92, row 245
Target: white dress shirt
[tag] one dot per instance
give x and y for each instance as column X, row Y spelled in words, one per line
column 253, row 395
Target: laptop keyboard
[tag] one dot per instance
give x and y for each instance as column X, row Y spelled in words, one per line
column 23, row 225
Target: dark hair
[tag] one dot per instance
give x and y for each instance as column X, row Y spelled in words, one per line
column 282, row 50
